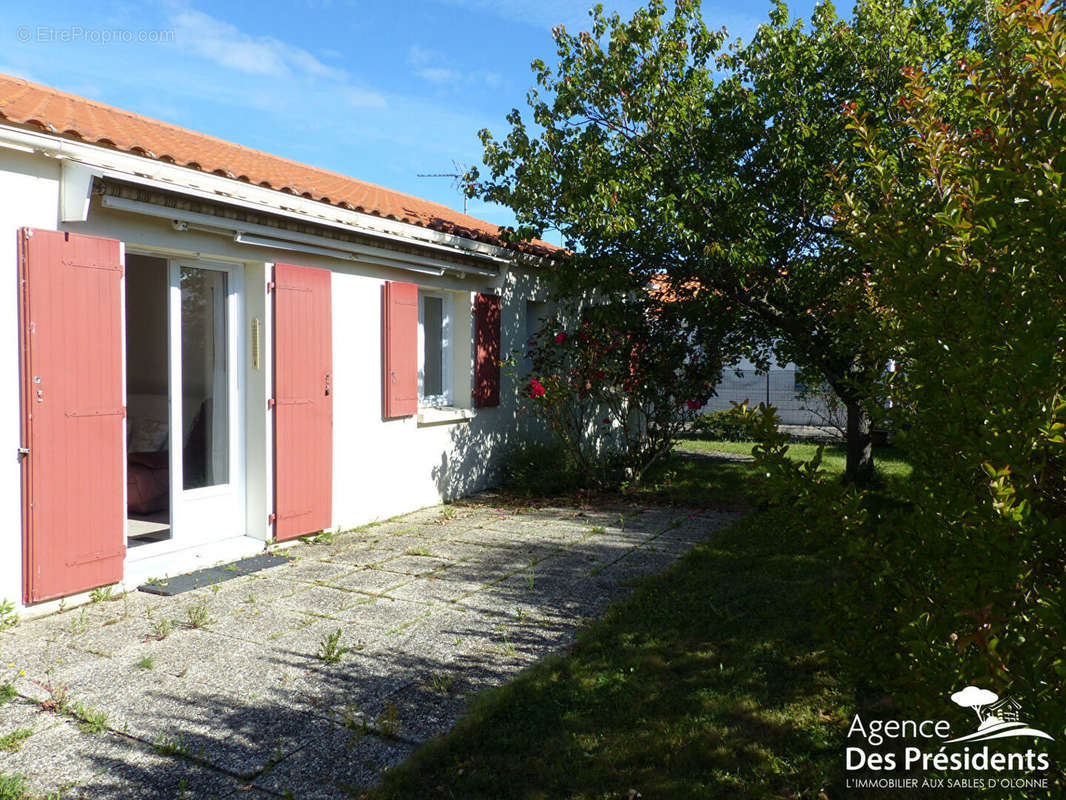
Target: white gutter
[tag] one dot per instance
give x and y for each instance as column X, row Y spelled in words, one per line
column 278, row 238
column 171, row 177
column 277, row 244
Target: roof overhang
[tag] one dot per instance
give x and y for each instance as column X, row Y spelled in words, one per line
column 82, row 164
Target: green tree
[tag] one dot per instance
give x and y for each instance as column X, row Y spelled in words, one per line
column 970, row 287
column 661, row 151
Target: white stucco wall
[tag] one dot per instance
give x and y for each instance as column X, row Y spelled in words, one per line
column 380, row 467
column 384, row 467
column 29, row 195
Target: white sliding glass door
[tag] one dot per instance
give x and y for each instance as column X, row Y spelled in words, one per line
column 207, row 432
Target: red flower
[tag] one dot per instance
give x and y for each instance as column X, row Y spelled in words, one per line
column 694, row 405
column 599, row 373
column 606, row 420
column 536, row 388
column 560, row 337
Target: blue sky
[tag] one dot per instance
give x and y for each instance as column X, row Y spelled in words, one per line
column 378, row 90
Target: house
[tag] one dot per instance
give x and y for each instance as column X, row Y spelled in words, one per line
column 210, row 348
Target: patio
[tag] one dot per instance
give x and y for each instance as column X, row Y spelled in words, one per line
column 226, row 690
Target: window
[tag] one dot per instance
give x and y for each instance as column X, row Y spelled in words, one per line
column 435, row 359
column 537, row 314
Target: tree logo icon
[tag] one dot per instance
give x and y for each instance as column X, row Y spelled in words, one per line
column 997, row 718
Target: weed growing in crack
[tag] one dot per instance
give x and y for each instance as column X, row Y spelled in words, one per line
column 388, row 721
column 507, row 648
column 441, row 682
column 102, row 594
column 196, row 615
column 275, row 758
column 80, row 623
column 8, row 617
column 161, row 629
column 146, row 662
column 56, row 702
column 13, row 787
column 171, row 745
column 11, row 742
column 330, row 649
column 354, row 720
column 89, row 719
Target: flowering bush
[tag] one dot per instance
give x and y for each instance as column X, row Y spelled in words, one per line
column 618, row 386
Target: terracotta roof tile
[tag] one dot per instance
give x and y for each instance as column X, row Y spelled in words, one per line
column 86, row 120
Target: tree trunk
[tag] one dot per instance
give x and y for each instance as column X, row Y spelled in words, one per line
column 860, row 464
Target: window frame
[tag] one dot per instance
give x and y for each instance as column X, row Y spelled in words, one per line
column 447, row 397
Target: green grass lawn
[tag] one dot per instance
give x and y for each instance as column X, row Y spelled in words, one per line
column 701, row 472
column 888, row 462
column 708, row 681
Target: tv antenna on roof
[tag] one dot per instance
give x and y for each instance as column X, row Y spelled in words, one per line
column 457, row 179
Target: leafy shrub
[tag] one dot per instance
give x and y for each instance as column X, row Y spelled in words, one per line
column 538, row 469
column 725, row 425
column 619, row 386
column 961, row 582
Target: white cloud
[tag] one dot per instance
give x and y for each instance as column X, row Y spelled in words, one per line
column 228, row 46
column 439, row 75
column 546, row 14
column 363, row 98
column 418, row 56
column 435, row 67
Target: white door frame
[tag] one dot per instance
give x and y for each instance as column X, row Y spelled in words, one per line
column 217, row 512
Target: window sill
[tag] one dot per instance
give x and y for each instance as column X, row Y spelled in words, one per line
column 444, row 415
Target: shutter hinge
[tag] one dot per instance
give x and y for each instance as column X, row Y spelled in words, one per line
column 271, row 402
column 272, row 519
column 270, row 286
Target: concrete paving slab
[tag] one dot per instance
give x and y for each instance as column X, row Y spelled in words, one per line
column 249, row 695
column 454, row 550
column 321, row 601
column 260, row 623
column 309, row 570
column 247, row 670
column 302, row 646
column 63, row 759
column 205, row 723
column 128, row 769
column 372, row 581
column 22, row 715
column 384, row 613
column 416, row 565
column 341, row 692
column 334, row 766
column 360, row 555
column 434, row 591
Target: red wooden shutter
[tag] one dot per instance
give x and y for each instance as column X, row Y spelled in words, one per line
column 303, row 401
column 70, row 304
column 400, row 333
column 487, row 350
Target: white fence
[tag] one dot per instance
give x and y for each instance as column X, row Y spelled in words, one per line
column 778, row 388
